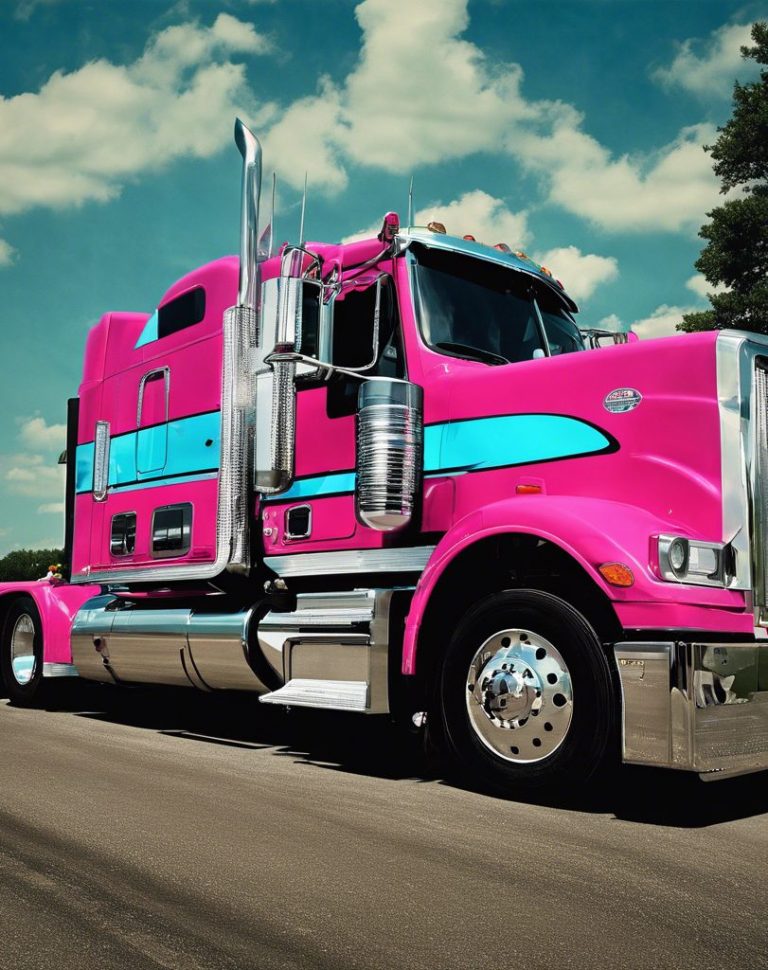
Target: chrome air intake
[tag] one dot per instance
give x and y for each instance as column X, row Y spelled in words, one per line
column 389, row 453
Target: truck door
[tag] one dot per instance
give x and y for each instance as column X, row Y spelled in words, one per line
column 318, row 512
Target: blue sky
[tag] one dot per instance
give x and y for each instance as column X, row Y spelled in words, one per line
column 573, row 129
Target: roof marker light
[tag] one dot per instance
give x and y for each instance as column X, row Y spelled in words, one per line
column 436, row 227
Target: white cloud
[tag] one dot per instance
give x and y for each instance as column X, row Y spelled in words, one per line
column 30, row 473
column 714, row 70
column 33, row 476
column 660, row 323
column 481, row 215
column 611, row 322
column 25, row 8
column 102, row 125
column 581, row 273
column 668, row 190
column 424, row 95
column 697, row 284
column 7, row 253
column 417, row 96
column 475, row 213
column 36, row 434
column 54, row 508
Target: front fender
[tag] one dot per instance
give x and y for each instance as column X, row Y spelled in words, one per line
column 592, row 532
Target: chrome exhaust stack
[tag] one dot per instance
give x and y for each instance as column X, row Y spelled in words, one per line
column 250, row 148
column 241, row 337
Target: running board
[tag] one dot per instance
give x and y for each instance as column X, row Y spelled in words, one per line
column 335, row 695
column 333, row 650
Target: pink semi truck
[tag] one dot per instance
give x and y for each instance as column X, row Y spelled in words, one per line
column 394, row 477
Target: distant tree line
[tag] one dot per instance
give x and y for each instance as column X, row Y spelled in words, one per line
column 24, row 564
column 736, row 253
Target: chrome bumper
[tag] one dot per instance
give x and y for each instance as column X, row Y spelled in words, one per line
column 695, row 706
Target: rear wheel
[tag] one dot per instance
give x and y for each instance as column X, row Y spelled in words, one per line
column 527, row 695
column 21, row 653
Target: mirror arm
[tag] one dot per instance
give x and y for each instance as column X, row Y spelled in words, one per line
column 291, row 357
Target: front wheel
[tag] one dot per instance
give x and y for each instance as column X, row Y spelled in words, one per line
column 527, row 696
column 21, row 653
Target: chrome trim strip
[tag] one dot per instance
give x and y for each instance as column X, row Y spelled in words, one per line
column 734, row 386
column 101, row 445
column 60, row 670
column 409, row 560
column 322, row 618
column 736, row 351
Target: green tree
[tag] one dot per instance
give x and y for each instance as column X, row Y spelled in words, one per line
column 736, row 253
column 25, row 564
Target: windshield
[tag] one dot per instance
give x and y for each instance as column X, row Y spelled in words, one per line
column 479, row 310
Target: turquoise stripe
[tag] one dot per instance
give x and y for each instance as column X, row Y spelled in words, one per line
column 318, row 486
column 169, row 450
column 511, row 439
column 149, row 333
column 157, row 482
column 178, row 449
column 84, row 468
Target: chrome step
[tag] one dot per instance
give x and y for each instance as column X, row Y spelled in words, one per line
column 333, row 649
column 336, row 695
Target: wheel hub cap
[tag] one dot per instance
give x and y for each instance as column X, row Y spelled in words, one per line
column 519, row 696
column 23, row 649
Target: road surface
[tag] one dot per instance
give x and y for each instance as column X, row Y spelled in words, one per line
column 162, row 829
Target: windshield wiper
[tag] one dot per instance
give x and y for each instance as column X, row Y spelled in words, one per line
column 473, row 353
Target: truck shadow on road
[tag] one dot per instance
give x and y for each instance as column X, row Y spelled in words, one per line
column 374, row 747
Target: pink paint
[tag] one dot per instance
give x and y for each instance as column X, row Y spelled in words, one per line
column 665, row 475
column 57, row 604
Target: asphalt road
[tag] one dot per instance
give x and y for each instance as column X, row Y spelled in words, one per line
column 164, row 829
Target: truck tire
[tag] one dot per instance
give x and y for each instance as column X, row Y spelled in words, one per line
column 21, row 653
column 527, row 695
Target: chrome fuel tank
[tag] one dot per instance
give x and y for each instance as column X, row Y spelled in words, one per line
column 113, row 641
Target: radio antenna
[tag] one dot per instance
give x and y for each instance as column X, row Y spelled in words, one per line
column 272, row 217
column 410, row 203
column 303, row 211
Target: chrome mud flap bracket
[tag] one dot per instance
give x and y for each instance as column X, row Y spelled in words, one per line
column 333, row 651
column 695, row 706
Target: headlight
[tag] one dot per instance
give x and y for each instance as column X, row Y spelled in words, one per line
column 684, row 560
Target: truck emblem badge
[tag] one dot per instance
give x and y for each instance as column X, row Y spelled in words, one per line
column 622, row 399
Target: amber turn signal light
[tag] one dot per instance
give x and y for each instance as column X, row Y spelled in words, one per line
column 528, row 489
column 616, row 573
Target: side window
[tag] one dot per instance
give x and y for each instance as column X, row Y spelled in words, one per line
column 123, row 534
column 354, row 317
column 171, row 531
column 182, row 312
column 353, row 328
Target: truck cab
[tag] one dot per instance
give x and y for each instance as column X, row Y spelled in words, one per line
column 394, row 477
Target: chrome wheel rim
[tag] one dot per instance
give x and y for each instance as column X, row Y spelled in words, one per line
column 519, row 696
column 23, row 661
